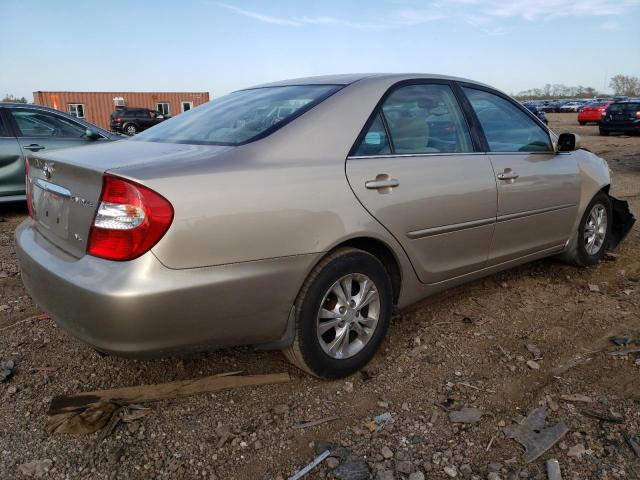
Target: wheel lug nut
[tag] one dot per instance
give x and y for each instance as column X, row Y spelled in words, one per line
column 352, row 303
column 342, row 310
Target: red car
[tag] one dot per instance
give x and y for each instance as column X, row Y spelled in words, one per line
column 592, row 112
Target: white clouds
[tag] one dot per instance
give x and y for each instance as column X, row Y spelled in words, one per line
column 541, row 9
column 488, row 16
column 261, row 17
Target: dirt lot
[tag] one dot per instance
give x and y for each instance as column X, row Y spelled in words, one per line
column 465, row 347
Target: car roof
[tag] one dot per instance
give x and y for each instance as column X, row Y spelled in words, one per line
column 349, row 78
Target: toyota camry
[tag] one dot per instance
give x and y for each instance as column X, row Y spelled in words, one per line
column 298, row 215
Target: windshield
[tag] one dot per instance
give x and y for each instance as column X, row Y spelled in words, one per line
column 239, row 117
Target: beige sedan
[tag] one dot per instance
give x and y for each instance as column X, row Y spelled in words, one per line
column 297, row 216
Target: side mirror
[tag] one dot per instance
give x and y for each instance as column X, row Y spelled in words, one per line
column 91, row 134
column 568, row 142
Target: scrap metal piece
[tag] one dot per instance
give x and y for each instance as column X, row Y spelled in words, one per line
column 553, row 469
column 314, row 463
column 633, row 441
column 533, row 436
column 604, row 416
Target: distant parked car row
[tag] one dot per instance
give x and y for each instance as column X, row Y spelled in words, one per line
column 537, row 112
column 133, row 120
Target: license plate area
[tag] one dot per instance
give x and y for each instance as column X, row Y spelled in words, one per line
column 51, row 205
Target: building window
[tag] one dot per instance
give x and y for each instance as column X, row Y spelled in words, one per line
column 186, row 105
column 76, row 109
column 163, row 108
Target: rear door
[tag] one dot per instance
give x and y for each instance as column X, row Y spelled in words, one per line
column 11, row 161
column 538, row 189
column 415, row 169
column 41, row 131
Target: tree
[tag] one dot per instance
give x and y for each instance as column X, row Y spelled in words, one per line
column 625, row 85
column 11, row 98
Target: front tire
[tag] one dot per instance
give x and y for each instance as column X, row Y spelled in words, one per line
column 342, row 314
column 594, row 231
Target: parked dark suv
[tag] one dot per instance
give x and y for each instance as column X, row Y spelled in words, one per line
column 134, row 120
column 621, row 117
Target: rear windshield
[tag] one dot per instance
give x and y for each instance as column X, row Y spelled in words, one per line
column 624, row 107
column 239, row 117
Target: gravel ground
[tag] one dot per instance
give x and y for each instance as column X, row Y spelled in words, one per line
column 463, row 348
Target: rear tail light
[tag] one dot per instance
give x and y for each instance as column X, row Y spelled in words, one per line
column 637, row 114
column 26, row 185
column 130, row 220
column 117, row 119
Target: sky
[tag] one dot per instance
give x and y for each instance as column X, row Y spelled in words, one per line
column 206, row 45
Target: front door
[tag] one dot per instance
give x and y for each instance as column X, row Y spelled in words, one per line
column 415, row 170
column 538, row 189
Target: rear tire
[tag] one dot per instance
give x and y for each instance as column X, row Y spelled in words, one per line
column 130, row 129
column 589, row 243
column 334, row 336
column 582, row 123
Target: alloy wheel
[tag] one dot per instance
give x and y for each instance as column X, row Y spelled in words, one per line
column 595, row 229
column 348, row 316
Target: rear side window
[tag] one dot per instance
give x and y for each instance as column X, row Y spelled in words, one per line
column 239, row 117
column 505, row 126
column 624, row 107
column 375, row 141
column 423, row 118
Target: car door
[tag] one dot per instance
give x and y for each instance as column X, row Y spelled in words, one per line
column 42, row 130
column 538, row 189
column 415, row 169
column 11, row 161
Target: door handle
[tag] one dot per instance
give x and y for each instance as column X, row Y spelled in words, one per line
column 508, row 174
column 34, row 147
column 382, row 183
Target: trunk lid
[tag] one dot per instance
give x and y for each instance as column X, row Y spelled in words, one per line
column 64, row 198
column 65, row 185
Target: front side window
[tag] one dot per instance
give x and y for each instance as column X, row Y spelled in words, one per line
column 33, row 123
column 239, row 117
column 505, row 126
column 76, row 109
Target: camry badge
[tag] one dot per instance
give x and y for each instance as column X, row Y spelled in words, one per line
column 48, row 170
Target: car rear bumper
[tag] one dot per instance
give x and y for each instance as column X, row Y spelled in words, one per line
column 141, row 307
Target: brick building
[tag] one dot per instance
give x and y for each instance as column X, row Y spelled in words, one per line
column 96, row 107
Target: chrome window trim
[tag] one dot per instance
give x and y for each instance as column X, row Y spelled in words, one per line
column 391, row 155
column 452, row 154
